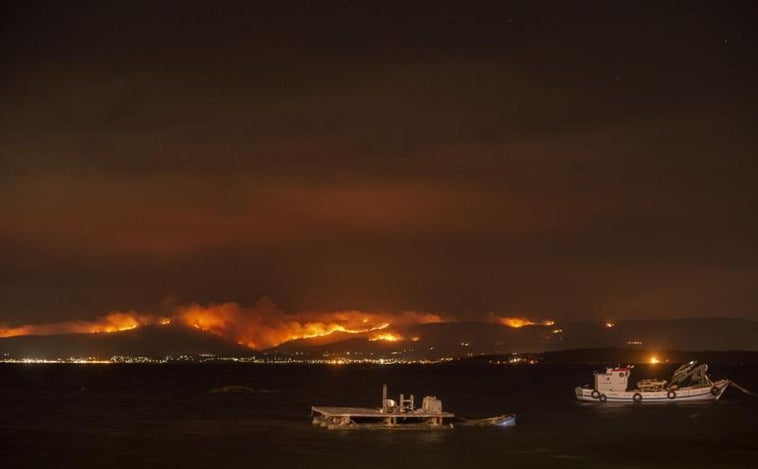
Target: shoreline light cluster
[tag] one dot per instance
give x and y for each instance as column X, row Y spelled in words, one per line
column 327, row 359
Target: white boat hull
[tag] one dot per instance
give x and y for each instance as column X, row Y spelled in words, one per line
column 686, row 394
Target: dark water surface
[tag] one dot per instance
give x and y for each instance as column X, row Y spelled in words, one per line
column 139, row 416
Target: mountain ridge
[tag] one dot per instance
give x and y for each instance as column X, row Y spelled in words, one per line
column 434, row 340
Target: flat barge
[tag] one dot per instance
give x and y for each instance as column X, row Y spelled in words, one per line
column 399, row 414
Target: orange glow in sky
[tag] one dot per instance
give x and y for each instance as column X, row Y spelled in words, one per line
column 258, row 327
column 111, row 322
column 264, row 326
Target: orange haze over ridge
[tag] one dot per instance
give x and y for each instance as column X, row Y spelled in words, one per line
column 111, row 322
column 257, row 327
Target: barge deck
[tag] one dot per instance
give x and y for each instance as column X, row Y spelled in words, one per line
column 392, row 414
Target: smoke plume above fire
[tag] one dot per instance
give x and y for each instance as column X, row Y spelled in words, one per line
column 111, row 322
column 264, row 325
column 258, row 327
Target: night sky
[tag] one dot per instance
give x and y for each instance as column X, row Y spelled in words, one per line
column 554, row 160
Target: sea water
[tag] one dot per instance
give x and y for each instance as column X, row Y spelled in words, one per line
column 143, row 416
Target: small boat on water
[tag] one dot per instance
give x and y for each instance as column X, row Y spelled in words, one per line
column 689, row 382
column 506, row 420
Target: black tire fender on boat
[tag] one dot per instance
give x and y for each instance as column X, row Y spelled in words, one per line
column 637, row 397
column 671, row 394
column 595, row 394
column 602, row 398
column 715, row 390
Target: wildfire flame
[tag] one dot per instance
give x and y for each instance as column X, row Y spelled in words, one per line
column 111, row 322
column 521, row 322
column 264, row 325
column 258, row 327
column 387, row 337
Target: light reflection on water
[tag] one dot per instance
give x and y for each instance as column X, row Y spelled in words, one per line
column 158, row 416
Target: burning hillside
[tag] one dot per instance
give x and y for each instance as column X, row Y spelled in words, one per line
column 258, row 327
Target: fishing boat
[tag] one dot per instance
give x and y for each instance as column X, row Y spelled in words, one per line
column 690, row 382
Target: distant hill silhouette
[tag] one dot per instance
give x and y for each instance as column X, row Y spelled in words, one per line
column 152, row 341
column 624, row 356
column 460, row 339
column 452, row 339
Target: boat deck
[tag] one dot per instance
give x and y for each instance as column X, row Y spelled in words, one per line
column 365, row 412
column 392, row 414
column 710, row 392
column 363, row 417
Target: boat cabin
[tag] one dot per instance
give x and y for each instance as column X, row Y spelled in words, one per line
column 613, row 379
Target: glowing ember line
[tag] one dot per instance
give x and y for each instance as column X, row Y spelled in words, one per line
column 386, row 337
column 112, row 322
column 337, row 328
column 521, row 322
column 258, row 327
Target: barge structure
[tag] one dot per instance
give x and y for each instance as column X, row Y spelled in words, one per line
column 400, row 414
